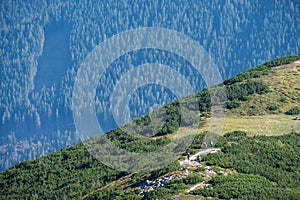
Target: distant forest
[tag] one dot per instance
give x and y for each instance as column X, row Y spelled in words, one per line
column 37, row 120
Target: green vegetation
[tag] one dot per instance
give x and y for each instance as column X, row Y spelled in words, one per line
column 166, row 120
column 136, row 144
column 236, row 92
column 233, row 104
column 273, row 160
column 245, row 186
column 261, row 70
column 294, row 111
column 242, row 91
column 193, row 179
column 170, row 168
column 69, row 173
column 268, row 167
column 109, row 193
column 273, row 107
column 276, row 158
column 282, row 95
column 200, row 169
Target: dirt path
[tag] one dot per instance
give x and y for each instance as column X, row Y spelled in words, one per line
column 199, row 185
column 193, row 158
column 193, row 163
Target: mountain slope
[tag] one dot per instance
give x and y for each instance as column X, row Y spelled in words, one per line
column 73, row 173
column 268, row 111
column 265, row 113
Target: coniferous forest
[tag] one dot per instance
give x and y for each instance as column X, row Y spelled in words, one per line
column 44, row 43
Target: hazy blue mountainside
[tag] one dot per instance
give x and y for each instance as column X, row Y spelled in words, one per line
column 43, row 44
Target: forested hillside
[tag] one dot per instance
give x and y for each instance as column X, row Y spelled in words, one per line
column 249, row 166
column 267, row 167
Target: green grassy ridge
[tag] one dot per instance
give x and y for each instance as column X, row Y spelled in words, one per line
column 261, row 70
column 238, row 89
column 72, row 172
column 282, row 94
column 199, row 102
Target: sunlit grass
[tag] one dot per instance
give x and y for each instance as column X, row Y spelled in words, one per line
column 262, row 125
